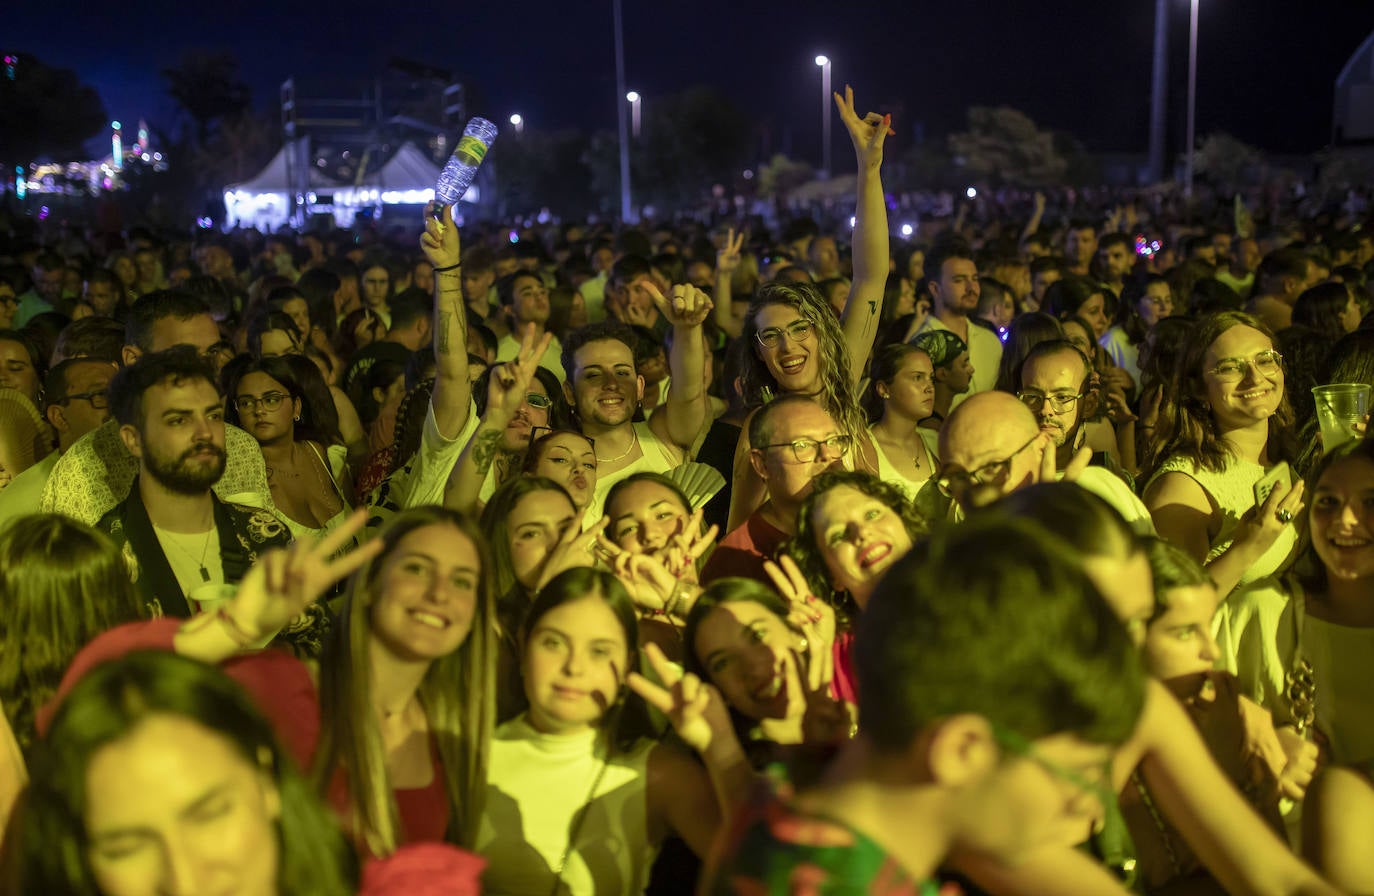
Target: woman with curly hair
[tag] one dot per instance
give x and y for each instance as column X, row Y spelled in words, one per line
column 799, row 347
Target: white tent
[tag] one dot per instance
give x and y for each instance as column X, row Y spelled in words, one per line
column 407, row 178
column 264, row 201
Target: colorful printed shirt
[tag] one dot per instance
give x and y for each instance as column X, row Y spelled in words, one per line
column 772, row 849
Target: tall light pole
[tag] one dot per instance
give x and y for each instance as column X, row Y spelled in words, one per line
column 519, row 122
column 1192, row 101
column 626, row 211
column 824, row 62
column 635, row 100
column 1159, row 91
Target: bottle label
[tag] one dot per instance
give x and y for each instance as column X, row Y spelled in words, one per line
column 471, row 149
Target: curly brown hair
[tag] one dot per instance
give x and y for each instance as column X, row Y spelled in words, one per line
column 804, row 549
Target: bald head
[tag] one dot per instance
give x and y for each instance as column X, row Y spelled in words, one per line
column 988, row 428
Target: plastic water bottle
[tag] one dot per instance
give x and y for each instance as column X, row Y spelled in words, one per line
column 467, row 157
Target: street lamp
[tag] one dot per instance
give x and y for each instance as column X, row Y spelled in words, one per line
column 824, row 63
column 635, row 99
column 518, row 122
column 1192, row 101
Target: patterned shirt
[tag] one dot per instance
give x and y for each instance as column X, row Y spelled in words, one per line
column 773, row 849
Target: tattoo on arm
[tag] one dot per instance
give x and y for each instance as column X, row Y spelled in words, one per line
column 445, row 331
column 872, row 307
column 484, row 452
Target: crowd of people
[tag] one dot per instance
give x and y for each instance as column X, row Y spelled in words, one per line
column 609, row 560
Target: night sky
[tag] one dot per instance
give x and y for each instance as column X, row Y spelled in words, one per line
column 1265, row 74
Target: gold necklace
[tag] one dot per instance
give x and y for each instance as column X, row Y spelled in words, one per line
column 633, row 442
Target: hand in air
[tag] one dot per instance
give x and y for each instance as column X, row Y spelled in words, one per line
column 510, row 382
column 807, row 613
column 687, row 306
column 867, row 133
column 285, row 581
column 440, row 241
column 695, row 709
column 728, row 256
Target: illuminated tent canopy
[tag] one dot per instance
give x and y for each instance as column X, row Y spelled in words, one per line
column 407, row 178
column 264, row 202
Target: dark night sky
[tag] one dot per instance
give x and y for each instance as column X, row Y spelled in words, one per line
column 1265, row 74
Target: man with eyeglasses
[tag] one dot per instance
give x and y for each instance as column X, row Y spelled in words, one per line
column 993, row 445
column 795, row 441
column 75, row 403
column 97, row 472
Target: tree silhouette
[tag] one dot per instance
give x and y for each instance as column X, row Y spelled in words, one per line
column 46, row 111
column 207, row 87
column 1004, row 146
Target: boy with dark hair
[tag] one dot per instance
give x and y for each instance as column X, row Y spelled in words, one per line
column 989, row 721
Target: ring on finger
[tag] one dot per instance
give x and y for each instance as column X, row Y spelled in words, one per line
column 1285, row 516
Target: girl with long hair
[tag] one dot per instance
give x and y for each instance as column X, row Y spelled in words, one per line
column 574, row 772
column 1230, row 424
column 62, row 583
column 1144, row 302
column 900, row 394
column 396, row 732
column 306, row 459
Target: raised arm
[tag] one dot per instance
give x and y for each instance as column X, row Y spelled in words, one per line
column 865, row 303
column 698, row 715
column 686, row 409
column 1033, row 225
column 1235, row 844
column 507, row 387
column 727, row 262
column 452, row 400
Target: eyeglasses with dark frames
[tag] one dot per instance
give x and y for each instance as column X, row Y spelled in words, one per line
column 1060, row 402
column 955, row 483
column 99, row 399
column 807, row 450
column 246, row 404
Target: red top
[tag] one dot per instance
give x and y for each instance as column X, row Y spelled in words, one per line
column 743, row 551
column 281, row 687
column 844, row 684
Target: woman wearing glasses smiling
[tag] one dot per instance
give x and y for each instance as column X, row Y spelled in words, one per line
column 1226, row 425
column 305, row 464
column 799, row 347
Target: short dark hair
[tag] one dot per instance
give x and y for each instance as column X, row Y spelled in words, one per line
column 408, row 306
column 1051, row 347
column 610, row 328
column 55, row 384
column 1287, row 262
column 505, row 287
column 946, row 632
column 177, row 365
column 265, row 321
column 627, row 269
column 93, row 338
column 1115, row 239
column 943, row 250
column 155, row 306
